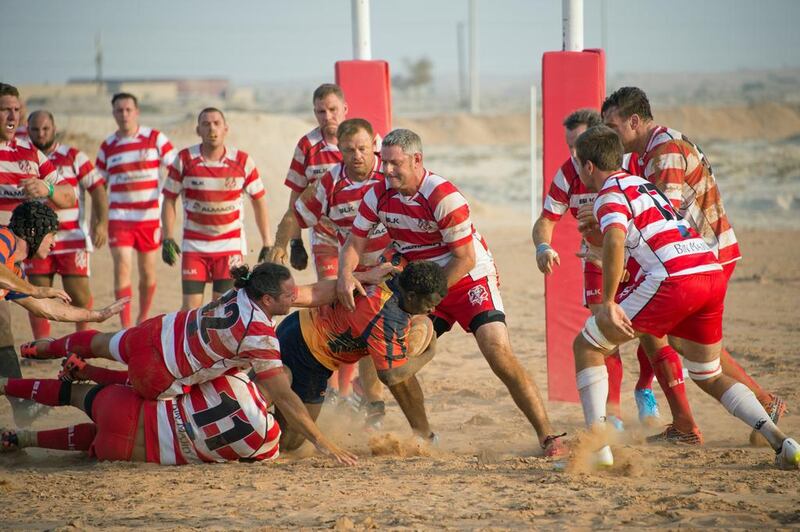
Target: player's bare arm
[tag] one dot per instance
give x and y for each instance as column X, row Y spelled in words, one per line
column 261, row 214
column 278, row 389
column 611, row 318
column 324, row 292
column 62, row 196
column 349, row 256
column 99, row 227
column 542, row 235
column 462, row 261
column 57, row 310
column 10, row 282
column 395, row 376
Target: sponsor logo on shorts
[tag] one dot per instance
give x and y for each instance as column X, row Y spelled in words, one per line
column 81, row 259
column 595, row 292
column 477, row 295
column 190, row 271
column 234, row 261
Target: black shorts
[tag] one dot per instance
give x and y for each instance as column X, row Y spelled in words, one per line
column 309, row 376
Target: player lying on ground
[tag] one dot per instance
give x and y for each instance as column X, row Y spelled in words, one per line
column 314, row 342
column 222, row 420
column 680, row 292
column 166, row 353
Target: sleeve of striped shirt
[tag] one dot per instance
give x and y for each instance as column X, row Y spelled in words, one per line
column 166, row 151
column 100, row 161
column 310, row 206
column 264, row 353
column 667, row 170
column 253, row 185
column 173, row 184
column 87, row 175
column 611, row 210
column 296, row 177
column 48, row 171
column 367, row 216
column 556, row 202
column 451, row 212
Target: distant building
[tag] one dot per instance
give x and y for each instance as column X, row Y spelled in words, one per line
column 160, row 89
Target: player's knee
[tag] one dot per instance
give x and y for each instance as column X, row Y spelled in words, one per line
column 594, row 336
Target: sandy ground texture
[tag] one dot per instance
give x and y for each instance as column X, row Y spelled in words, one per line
column 487, row 472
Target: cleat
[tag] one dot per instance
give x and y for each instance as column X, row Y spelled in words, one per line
column 603, row 458
column 616, row 423
column 553, row 446
column 647, row 406
column 331, row 396
column 788, row 456
column 776, row 408
column 375, row 412
column 673, row 435
column 30, row 349
column 71, row 368
column 9, row 442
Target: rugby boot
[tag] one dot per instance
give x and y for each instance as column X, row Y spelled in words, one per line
column 30, row 349
column 603, row 458
column 554, row 446
column 788, row 457
column 71, row 368
column 673, row 435
column 647, row 406
column 8, row 440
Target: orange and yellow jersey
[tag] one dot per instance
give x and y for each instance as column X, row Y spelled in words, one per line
column 10, row 258
column 378, row 327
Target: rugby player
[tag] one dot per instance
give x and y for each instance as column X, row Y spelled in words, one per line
column 680, row 292
column 211, row 179
column 428, row 219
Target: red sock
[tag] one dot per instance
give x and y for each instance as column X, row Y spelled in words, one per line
column 104, row 375
column 39, row 326
column 345, row 376
column 145, row 302
column 74, row 438
column 125, row 315
column 79, row 343
column 669, row 372
column 645, row 370
column 45, row 391
column 84, row 325
column 614, row 367
column 732, row 369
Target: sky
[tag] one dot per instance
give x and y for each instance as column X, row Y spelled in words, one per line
column 272, row 41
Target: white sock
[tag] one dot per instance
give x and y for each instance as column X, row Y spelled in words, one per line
column 742, row 403
column 593, row 389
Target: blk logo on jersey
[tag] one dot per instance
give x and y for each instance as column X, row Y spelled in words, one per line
column 477, row 295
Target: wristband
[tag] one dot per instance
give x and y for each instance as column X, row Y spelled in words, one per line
column 541, row 248
column 50, row 189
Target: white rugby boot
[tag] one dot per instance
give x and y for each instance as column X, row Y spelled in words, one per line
column 788, row 457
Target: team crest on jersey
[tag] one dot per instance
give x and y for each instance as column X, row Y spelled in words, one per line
column 81, row 259
column 425, row 225
column 230, row 182
column 478, row 295
column 26, row 167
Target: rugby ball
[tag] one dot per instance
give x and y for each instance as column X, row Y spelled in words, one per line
column 420, row 335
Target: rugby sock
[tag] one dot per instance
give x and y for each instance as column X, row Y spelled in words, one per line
column 79, row 342
column 732, row 369
column 73, row 438
column 669, row 372
column 125, row 315
column 145, row 302
column 593, row 389
column 614, row 368
column 104, row 375
column 345, row 375
column 646, row 373
column 50, row 392
column 84, row 325
column 39, row 326
column 740, row 401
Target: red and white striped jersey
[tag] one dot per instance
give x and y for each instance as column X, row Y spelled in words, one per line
column 21, row 132
column 75, row 168
column 213, row 222
column 567, row 191
column 338, row 198
column 681, row 170
column 130, row 165
column 427, row 225
column 19, row 159
column 657, row 238
column 229, row 333
column 222, row 420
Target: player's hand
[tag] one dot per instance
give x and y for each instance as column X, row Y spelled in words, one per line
column 264, row 254
column 34, row 188
column 99, row 234
column 277, row 255
column 346, row 287
column 586, row 219
column 613, row 317
column 337, row 453
column 47, row 292
column 378, row 274
column 112, row 310
column 298, row 257
column 592, row 254
column 546, row 257
column 170, row 251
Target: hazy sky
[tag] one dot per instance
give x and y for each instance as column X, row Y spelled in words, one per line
column 270, row 40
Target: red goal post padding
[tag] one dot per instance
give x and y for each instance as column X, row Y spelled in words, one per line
column 367, row 89
column 570, row 81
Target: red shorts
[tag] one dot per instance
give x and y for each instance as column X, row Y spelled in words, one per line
column 727, row 269
column 140, row 348
column 688, row 306
column 468, row 298
column 143, row 237
column 205, row 268
column 115, row 411
column 75, row 263
column 325, row 254
column 592, row 284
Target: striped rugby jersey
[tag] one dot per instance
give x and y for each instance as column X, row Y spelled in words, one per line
column 19, row 159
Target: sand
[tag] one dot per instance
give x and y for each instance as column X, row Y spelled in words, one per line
column 487, row 471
